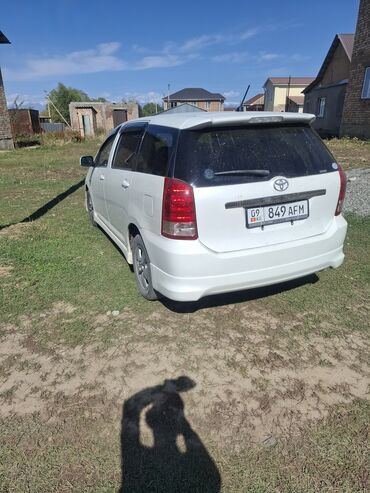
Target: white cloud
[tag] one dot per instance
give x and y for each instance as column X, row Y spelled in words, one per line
column 105, row 57
column 25, row 100
column 232, row 57
column 268, row 56
column 231, row 94
column 249, row 33
column 99, row 59
column 141, row 97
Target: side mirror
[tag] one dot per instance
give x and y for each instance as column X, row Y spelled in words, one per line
column 86, row 161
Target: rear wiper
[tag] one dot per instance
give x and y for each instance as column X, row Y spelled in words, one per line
column 255, row 172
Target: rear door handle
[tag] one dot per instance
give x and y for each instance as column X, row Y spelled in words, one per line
column 125, row 184
column 102, row 177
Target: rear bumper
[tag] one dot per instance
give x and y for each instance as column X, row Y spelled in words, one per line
column 187, row 270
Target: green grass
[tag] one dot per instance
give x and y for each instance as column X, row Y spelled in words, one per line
column 350, row 153
column 58, row 275
column 58, row 257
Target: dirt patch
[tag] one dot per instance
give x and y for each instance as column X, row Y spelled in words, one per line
column 254, row 376
column 5, row 270
column 15, row 231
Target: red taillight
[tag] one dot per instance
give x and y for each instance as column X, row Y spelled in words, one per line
column 342, row 190
column 179, row 219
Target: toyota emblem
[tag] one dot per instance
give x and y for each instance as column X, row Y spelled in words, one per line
column 281, row 184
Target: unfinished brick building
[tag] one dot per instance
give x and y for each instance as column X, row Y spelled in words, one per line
column 24, row 121
column 6, row 139
column 356, row 111
column 88, row 118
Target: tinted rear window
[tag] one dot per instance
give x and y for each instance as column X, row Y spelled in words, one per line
column 289, row 151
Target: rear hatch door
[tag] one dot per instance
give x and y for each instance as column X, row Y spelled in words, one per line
column 257, row 186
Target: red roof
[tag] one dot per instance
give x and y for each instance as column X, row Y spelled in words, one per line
column 294, row 81
column 297, row 99
column 254, row 99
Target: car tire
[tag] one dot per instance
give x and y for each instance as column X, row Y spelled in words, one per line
column 90, row 208
column 141, row 263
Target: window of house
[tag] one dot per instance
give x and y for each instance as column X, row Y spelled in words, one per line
column 124, row 157
column 208, row 105
column 156, row 150
column 173, row 104
column 321, row 107
column 366, row 87
column 103, row 154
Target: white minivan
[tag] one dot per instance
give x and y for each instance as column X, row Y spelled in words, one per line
column 203, row 203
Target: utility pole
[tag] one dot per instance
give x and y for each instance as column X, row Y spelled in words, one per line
column 168, row 97
column 287, row 95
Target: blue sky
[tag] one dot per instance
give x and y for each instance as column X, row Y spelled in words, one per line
column 121, row 50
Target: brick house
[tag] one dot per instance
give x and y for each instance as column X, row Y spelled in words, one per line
column 324, row 97
column 356, row 110
column 90, row 117
column 6, row 138
column 279, row 89
column 196, row 96
column 256, row 103
column 24, row 121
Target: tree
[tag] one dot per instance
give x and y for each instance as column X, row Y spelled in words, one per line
column 61, row 96
column 150, row 109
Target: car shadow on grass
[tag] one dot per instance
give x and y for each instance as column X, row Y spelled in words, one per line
column 41, row 211
column 237, row 296
column 176, row 460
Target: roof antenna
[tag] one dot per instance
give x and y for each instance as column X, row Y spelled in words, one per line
column 240, row 107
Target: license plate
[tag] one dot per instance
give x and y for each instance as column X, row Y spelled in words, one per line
column 280, row 213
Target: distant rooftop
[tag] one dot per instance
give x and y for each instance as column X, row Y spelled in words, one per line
column 254, row 99
column 195, row 94
column 299, row 100
column 293, row 81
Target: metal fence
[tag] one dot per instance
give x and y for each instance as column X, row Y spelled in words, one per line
column 53, row 127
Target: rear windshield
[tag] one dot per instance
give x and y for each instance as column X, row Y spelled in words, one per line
column 289, row 151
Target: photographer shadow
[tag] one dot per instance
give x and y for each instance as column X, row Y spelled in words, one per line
column 178, row 461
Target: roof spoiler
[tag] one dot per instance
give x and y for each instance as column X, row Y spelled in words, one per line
column 243, row 118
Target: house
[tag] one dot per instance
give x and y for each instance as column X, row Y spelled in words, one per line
column 24, row 121
column 279, row 89
column 324, row 97
column 256, row 103
column 6, row 138
column 356, row 110
column 208, row 101
column 295, row 104
column 90, row 117
column 183, row 108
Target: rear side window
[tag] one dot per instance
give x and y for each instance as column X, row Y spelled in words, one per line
column 156, row 150
column 103, row 154
column 289, row 151
column 127, row 146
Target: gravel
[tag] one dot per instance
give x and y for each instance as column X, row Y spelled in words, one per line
column 358, row 191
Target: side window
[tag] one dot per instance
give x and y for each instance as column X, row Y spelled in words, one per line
column 321, row 107
column 127, row 146
column 156, row 150
column 366, row 85
column 103, row 154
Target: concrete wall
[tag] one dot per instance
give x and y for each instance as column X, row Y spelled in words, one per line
column 356, row 112
column 329, row 124
column 6, row 138
column 275, row 96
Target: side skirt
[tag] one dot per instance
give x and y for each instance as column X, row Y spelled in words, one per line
column 113, row 237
